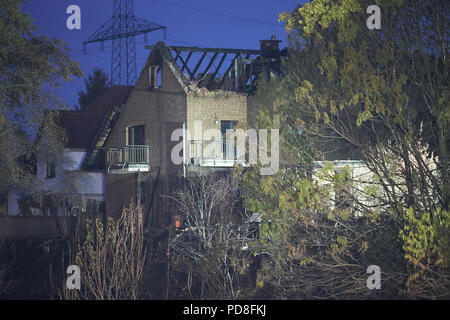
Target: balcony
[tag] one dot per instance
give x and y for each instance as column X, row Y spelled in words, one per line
column 213, row 153
column 128, row 159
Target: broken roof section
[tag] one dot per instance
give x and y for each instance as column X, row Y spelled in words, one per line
column 221, row 68
column 81, row 126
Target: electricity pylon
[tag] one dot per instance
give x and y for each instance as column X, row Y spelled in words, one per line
column 122, row 28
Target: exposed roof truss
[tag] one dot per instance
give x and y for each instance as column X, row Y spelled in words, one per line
column 212, row 67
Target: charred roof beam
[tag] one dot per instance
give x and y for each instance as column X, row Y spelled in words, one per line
column 231, row 66
column 199, row 63
column 207, row 78
column 217, row 70
column 219, row 50
column 211, row 62
column 184, row 63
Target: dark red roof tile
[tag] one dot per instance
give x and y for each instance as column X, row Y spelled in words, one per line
column 81, row 126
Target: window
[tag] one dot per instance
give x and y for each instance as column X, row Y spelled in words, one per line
column 136, row 135
column 225, row 125
column 228, row 147
column 154, row 74
column 49, row 170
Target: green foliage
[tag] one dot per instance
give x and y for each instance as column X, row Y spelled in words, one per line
column 28, row 63
column 426, row 238
column 311, row 249
column 384, row 93
column 387, row 87
column 426, row 243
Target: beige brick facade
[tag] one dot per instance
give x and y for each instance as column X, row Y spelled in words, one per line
column 162, row 110
column 158, row 109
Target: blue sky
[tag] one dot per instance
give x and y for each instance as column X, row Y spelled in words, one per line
column 207, row 24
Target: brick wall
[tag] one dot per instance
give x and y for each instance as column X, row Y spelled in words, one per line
column 158, row 109
column 162, row 110
column 207, row 107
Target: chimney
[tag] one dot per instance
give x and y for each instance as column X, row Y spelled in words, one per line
column 270, row 48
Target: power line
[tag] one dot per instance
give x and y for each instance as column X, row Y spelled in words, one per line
column 216, row 13
column 80, row 52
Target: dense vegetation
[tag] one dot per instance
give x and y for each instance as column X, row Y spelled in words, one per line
column 380, row 96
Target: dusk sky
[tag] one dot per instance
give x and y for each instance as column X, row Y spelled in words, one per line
column 203, row 23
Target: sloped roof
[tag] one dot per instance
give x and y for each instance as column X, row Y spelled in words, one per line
column 81, row 126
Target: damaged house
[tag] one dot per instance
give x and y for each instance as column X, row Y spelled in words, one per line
column 136, row 143
column 180, row 87
column 121, row 144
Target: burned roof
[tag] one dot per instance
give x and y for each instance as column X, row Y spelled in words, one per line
column 221, row 68
column 82, row 126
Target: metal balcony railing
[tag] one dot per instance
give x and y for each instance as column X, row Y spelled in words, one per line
column 213, row 152
column 127, row 156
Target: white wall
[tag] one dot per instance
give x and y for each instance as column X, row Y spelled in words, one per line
column 69, row 177
column 360, row 176
column 76, row 157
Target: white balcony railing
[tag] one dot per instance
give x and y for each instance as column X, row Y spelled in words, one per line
column 128, row 158
column 213, row 153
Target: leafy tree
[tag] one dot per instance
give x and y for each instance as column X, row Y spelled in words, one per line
column 386, row 93
column 96, row 84
column 383, row 91
column 376, row 95
column 426, row 243
column 31, row 66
